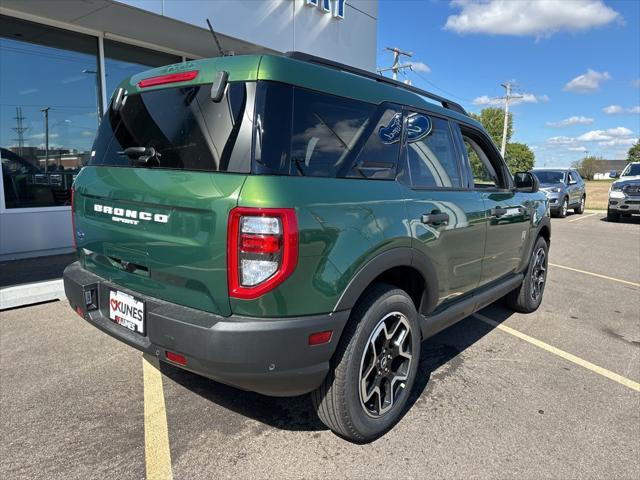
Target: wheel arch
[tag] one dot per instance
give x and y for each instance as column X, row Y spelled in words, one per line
column 403, row 267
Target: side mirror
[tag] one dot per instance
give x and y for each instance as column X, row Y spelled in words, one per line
column 526, row 182
column 613, row 174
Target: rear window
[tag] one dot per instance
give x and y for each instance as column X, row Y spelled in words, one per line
column 181, row 128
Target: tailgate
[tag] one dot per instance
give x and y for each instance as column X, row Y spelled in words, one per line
column 159, row 232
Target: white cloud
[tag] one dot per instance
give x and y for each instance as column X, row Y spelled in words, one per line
column 528, row 17
column 577, row 149
column 618, row 110
column 587, row 82
column 618, row 142
column 486, row 101
column 575, row 120
column 613, row 110
column 636, row 82
column 42, row 135
column 420, row 67
column 561, row 140
column 605, row 135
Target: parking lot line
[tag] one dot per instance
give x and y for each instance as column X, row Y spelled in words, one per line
column 582, row 217
column 156, row 433
column 613, row 279
column 561, row 353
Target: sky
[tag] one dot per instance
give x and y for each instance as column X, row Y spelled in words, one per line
column 576, row 64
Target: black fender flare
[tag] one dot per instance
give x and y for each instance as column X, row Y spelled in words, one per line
column 395, row 257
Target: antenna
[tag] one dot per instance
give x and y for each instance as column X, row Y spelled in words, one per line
column 215, row 37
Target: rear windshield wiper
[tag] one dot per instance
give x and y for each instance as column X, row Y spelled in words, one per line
column 143, row 155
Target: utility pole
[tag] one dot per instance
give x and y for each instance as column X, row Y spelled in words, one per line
column 396, row 67
column 19, row 129
column 46, row 138
column 507, row 86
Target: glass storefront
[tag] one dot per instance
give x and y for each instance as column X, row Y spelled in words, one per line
column 122, row 60
column 48, row 110
column 50, row 104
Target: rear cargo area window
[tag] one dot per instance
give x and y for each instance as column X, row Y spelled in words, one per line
column 179, row 128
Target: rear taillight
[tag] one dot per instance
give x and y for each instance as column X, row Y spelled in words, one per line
column 73, row 220
column 262, row 249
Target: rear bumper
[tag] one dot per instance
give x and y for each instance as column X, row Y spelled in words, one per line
column 266, row 355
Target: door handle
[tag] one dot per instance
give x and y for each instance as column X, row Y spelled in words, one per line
column 435, row 218
column 498, row 212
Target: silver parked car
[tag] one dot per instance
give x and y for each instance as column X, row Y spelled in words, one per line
column 564, row 188
column 624, row 194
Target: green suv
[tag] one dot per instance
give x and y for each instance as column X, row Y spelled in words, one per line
column 286, row 225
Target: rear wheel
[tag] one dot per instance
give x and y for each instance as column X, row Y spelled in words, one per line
column 373, row 370
column 563, row 208
column 612, row 216
column 528, row 296
column 580, row 208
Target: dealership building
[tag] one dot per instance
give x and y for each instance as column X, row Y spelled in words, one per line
column 61, row 60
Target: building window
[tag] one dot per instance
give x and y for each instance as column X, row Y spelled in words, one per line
column 49, row 108
column 122, row 60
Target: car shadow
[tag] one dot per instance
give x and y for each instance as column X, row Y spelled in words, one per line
column 632, row 220
column 298, row 414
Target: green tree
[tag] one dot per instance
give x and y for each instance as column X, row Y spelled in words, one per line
column 633, row 155
column 588, row 166
column 519, row 157
column 492, row 119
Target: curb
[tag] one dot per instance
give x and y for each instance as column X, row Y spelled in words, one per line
column 30, row 293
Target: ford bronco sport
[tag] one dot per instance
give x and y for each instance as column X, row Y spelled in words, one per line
column 286, row 225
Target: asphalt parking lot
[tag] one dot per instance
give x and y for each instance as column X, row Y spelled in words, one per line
column 553, row 394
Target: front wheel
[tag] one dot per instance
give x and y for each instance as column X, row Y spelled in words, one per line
column 564, row 208
column 374, row 368
column 528, row 296
column 612, row 216
column 580, row 208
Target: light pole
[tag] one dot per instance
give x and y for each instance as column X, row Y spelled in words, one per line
column 45, row 110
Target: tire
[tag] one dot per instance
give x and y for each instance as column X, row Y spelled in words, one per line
column 564, row 208
column 612, row 216
column 340, row 401
column 580, row 208
column 528, row 296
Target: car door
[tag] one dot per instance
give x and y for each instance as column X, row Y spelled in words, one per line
column 508, row 212
column 446, row 219
column 573, row 188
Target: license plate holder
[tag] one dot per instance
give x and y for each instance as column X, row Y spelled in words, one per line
column 127, row 311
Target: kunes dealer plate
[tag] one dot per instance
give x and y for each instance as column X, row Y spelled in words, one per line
column 127, row 311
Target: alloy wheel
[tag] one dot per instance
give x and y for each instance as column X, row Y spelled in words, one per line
column 565, row 207
column 385, row 364
column 538, row 273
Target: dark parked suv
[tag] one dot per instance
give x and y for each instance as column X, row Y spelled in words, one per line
column 287, row 225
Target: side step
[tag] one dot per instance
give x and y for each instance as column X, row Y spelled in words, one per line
column 432, row 324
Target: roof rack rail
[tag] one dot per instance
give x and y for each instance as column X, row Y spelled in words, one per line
column 446, row 103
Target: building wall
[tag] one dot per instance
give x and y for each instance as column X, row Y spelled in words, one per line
column 284, row 25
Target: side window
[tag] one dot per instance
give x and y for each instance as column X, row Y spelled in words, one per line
column 379, row 154
column 326, row 129
column 430, row 157
column 487, row 168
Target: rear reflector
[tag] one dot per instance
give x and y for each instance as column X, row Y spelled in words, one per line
column 176, row 358
column 171, row 78
column 319, row 338
column 250, row 243
column 80, row 312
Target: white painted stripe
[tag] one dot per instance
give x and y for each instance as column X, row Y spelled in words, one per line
column 613, row 279
column 561, row 353
column 156, row 433
column 582, row 217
